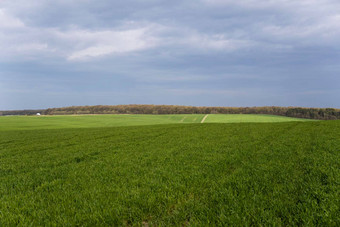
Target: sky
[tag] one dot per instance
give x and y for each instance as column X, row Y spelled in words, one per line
column 180, row 52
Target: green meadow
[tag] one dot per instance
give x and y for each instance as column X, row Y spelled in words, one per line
column 110, row 120
column 168, row 170
column 241, row 118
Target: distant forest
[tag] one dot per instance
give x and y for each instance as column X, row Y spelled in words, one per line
column 299, row 112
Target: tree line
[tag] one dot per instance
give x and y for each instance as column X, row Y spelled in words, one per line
column 299, row 112
column 21, row 112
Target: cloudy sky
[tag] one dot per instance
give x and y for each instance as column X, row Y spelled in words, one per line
column 185, row 52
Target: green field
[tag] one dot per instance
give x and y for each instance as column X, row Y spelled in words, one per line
column 90, row 121
column 241, row 118
column 79, row 170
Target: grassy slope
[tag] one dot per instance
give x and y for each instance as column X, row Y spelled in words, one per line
column 88, row 121
column 199, row 174
column 238, row 118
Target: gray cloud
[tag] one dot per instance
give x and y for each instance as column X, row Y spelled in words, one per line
column 210, row 48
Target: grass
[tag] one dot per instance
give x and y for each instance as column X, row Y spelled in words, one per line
column 90, row 121
column 240, row 118
column 176, row 174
